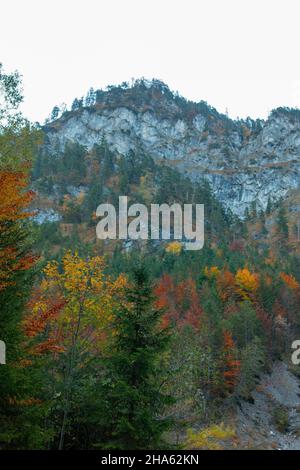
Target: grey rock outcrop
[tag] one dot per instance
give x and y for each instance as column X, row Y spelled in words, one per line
column 244, row 161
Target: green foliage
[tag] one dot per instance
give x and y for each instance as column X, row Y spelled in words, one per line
column 281, row 418
column 18, row 138
column 244, row 324
column 282, row 227
column 135, row 401
column 20, row 417
column 20, row 420
column 253, row 360
column 269, row 206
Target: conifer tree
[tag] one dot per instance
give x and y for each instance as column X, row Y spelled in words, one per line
column 282, row 228
column 269, row 206
column 135, row 399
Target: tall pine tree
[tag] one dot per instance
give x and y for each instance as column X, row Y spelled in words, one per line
column 135, row 400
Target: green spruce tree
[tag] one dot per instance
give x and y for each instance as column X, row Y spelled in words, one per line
column 135, row 399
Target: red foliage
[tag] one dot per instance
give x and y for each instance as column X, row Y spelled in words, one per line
column 36, row 323
column 289, row 280
column 265, row 318
column 237, row 245
column 226, row 285
column 181, row 302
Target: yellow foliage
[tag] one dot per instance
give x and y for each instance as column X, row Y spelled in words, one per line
column 209, row 438
column 246, row 282
column 211, row 272
column 174, row 248
column 88, row 297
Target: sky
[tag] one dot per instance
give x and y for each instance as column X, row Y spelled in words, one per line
column 241, row 56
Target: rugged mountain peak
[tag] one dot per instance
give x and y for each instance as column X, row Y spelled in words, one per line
column 245, row 161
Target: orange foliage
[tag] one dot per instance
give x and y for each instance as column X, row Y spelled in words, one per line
column 14, row 197
column 74, row 304
column 231, row 364
column 180, row 301
column 45, row 314
column 225, row 285
column 24, row 402
column 13, row 203
column 289, row 280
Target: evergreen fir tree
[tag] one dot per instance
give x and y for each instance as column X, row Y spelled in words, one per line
column 135, row 400
column 269, row 206
column 253, row 210
column 282, row 228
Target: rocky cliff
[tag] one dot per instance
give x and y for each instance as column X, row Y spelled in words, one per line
column 244, row 161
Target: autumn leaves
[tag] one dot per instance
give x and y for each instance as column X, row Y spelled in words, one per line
column 15, row 198
column 73, row 305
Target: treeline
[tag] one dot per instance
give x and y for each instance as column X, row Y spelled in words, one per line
column 74, row 181
column 143, row 95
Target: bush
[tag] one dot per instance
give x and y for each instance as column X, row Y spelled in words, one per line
column 281, row 418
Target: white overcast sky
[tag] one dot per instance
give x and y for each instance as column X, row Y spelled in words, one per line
column 243, row 55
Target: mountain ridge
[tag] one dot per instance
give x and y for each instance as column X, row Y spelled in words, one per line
column 246, row 162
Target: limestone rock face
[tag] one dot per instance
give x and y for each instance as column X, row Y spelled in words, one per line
column 244, row 161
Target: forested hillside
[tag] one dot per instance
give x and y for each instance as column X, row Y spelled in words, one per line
column 122, row 344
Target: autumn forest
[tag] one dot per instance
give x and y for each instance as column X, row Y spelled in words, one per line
column 136, row 345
